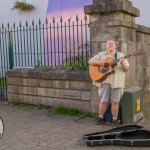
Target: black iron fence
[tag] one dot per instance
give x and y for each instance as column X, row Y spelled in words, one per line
column 60, row 45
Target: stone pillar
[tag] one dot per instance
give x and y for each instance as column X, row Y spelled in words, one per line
column 114, row 19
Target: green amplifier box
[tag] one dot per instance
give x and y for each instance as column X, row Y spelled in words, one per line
column 131, row 106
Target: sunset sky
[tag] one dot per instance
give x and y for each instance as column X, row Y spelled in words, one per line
column 58, row 5
column 69, row 9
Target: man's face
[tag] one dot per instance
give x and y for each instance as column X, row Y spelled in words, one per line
column 111, row 46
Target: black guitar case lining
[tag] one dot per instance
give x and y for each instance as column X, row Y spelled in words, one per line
column 130, row 136
column 115, row 130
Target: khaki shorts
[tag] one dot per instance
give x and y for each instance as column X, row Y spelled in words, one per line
column 107, row 93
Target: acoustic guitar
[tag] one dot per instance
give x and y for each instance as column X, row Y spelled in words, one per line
column 101, row 72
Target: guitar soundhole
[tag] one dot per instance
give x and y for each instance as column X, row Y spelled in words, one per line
column 104, row 70
column 106, row 65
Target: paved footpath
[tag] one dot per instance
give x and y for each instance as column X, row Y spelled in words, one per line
column 34, row 129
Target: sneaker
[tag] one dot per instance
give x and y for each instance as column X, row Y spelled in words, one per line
column 115, row 123
column 99, row 122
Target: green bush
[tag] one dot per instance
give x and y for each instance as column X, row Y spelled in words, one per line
column 78, row 63
column 3, row 82
column 22, row 6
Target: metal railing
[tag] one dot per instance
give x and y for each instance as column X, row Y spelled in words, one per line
column 57, row 45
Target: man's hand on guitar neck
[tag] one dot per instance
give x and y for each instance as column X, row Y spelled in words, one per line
column 124, row 66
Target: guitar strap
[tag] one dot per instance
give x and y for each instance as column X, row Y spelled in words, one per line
column 115, row 58
column 115, row 55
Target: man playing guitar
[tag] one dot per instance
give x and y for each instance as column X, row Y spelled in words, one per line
column 112, row 86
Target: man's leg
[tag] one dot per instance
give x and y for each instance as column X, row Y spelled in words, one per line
column 102, row 108
column 114, row 109
column 104, row 92
column 116, row 95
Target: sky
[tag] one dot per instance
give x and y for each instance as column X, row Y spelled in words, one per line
column 69, row 9
column 29, row 1
column 143, row 6
column 57, row 5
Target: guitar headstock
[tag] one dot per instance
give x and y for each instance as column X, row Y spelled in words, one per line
column 137, row 52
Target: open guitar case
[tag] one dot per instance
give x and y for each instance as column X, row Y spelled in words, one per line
column 127, row 135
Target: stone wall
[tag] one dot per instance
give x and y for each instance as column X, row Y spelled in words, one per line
column 115, row 19
column 109, row 19
column 52, row 88
column 143, row 62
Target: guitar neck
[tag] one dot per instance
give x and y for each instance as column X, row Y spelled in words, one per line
column 115, row 61
column 128, row 55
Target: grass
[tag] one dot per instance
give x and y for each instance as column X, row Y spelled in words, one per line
column 57, row 110
column 73, row 112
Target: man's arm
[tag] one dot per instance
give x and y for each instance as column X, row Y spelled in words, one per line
column 92, row 61
column 123, row 65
